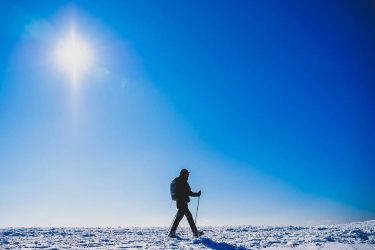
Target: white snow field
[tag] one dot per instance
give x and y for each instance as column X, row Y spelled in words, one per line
column 360, row 235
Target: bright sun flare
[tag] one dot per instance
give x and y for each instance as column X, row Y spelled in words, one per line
column 73, row 55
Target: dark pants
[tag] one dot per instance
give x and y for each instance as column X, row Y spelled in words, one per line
column 183, row 210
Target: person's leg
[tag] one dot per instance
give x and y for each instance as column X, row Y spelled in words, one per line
column 179, row 216
column 190, row 219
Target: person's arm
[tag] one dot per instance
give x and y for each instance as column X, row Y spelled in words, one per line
column 193, row 194
column 197, row 194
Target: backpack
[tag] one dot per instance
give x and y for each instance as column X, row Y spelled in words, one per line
column 173, row 189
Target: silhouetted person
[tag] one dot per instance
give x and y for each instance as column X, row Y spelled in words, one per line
column 183, row 191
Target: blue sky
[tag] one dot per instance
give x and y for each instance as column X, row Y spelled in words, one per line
column 269, row 104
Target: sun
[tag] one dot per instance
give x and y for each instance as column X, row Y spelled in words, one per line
column 74, row 55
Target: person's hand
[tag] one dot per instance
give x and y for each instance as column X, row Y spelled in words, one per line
column 199, row 193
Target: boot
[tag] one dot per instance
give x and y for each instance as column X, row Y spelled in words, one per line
column 198, row 234
column 172, row 234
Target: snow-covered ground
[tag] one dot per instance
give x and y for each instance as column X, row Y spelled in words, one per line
column 359, row 235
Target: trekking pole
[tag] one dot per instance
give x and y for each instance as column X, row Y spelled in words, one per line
column 196, row 213
column 172, row 222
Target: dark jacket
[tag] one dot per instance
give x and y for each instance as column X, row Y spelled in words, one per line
column 183, row 191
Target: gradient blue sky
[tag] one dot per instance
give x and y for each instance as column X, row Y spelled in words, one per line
column 269, row 104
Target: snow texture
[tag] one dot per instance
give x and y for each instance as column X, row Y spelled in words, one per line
column 360, row 235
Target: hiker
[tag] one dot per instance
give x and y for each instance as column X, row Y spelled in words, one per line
column 180, row 191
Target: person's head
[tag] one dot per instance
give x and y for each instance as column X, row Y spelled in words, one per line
column 184, row 173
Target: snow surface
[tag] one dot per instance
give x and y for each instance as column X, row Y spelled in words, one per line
column 360, row 235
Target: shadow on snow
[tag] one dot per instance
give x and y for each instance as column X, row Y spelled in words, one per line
column 218, row 245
